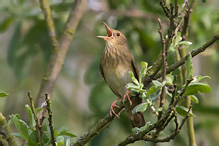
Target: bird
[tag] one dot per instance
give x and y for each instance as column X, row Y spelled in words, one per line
column 116, row 61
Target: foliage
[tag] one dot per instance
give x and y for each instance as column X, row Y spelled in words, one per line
column 29, row 49
column 29, row 132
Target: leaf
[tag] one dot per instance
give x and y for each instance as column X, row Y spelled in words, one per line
column 69, row 134
column 3, row 94
column 195, row 88
column 31, row 116
column 21, row 127
column 132, row 77
column 17, row 135
column 135, row 129
column 156, row 83
column 182, row 111
column 194, row 99
column 187, row 43
column 169, row 79
column 178, row 38
column 144, row 67
column 140, row 108
column 60, row 140
column 5, row 24
column 189, row 67
column 145, row 126
column 68, row 142
column 199, row 78
column 130, row 86
column 63, row 129
column 32, row 140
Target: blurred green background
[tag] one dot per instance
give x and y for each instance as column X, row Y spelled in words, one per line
column 81, row 96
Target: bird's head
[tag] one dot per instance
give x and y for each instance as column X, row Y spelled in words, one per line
column 114, row 37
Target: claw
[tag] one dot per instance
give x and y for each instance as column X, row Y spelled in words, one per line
column 112, row 112
column 127, row 95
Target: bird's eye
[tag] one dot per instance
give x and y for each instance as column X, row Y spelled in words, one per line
column 118, row 34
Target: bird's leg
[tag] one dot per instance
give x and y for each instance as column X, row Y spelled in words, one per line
column 114, row 105
column 127, row 95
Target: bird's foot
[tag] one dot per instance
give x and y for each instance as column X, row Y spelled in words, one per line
column 127, row 95
column 112, row 112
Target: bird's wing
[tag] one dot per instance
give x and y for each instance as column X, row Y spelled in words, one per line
column 135, row 69
column 101, row 72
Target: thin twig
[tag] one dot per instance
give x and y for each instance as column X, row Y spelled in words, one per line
column 50, row 120
column 39, row 143
column 44, row 4
column 163, row 54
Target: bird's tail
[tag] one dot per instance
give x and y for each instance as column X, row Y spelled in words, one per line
column 136, row 119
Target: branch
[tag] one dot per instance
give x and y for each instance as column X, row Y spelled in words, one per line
column 160, row 125
column 50, row 120
column 36, row 119
column 163, row 54
column 100, row 126
column 44, row 4
column 174, row 24
column 182, row 60
column 8, row 137
column 59, row 49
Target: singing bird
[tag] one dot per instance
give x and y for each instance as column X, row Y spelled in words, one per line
column 115, row 64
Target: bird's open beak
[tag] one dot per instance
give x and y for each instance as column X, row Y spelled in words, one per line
column 109, row 33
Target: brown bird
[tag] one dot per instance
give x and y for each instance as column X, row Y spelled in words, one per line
column 115, row 63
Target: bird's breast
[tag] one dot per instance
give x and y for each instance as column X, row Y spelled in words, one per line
column 116, row 74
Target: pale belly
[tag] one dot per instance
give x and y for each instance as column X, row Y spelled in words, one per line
column 117, row 78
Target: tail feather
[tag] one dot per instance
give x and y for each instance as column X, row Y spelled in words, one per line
column 136, row 119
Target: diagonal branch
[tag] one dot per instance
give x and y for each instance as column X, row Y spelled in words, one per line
column 60, row 49
column 173, row 67
column 100, row 126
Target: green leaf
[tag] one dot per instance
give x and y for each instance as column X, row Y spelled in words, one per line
column 38, row 110
column 199, row 78
column 182, row 111
column 60, row 140
column 140, row 108
column 130, row 86
column 32, row 140
column 132, row 77
column 172, row 49
column 68, row 142
column 156, row 83
column 169, row 79
column 63, row 129
column 189, row 67
column 195, row 88
column 194, row 99
column 187, row 43
column 144, row 67
column 21, row 127
column 3, row 94
column 5, row 24
column 69, row 134
column 17, row 135
column 145, row 126
column 31, row 116
column 178, row 38
column 135, row 129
